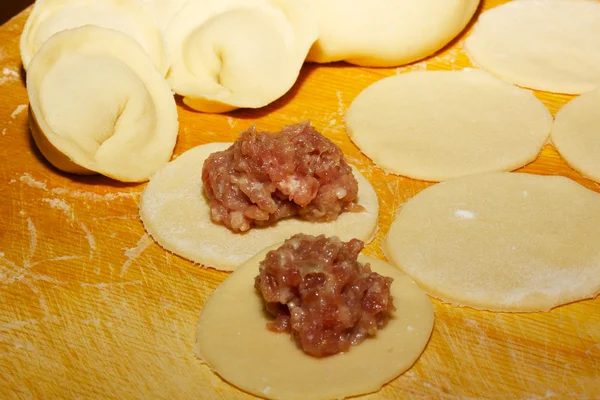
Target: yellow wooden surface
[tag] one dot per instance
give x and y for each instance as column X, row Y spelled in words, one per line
column 90, row 307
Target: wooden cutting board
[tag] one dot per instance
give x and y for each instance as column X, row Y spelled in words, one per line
column 90, row 307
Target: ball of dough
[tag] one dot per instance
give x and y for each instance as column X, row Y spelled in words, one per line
column 98, row 105
column 501, row 241
column 52, row 16
column 232, row 338
column 384, row 33
column 549, row 45
column 176, row 213
column 228, row 54
column 436, row 125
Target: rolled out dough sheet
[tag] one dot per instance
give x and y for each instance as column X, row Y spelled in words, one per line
column 175, row 212
column 436, row 125
column 576, row 134
column 501, row 241
column 232, row 338
column 549, row 45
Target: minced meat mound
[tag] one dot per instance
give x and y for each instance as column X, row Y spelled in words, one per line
column 265, row 177
column 316, row 289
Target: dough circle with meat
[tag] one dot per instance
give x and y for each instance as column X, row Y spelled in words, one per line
column 436, row 125
column 575, row 134
column 383, row 33
column 98, row 105
column 233, row 340
column 549, row 45
column 175, row 211
column 52, row 16
column 501, row 241
column 228, row 54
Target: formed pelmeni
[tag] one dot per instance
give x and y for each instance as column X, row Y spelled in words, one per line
column 228, row 54
column 130, row 17
column 98, row 105
column 383, row 33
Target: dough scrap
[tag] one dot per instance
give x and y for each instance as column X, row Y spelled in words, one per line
column 549, row 45
column 52, row 16
column 501, row 241
column 233, row 340
column 175, row 212
column 384, row 33
column 436, row 125
column 228, row 54
column 98, row 105
column 576, row 134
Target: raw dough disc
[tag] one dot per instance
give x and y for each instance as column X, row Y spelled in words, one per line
column 576, row 134
column 175, row 212
column 501, row 241
column 437, row 125
column 233, row 340
column 386, row 32
column 549, row 45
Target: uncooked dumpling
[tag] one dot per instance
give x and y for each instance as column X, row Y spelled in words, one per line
column 576, row 134
column 386, row 32
column 436, row 125
column 228, row 54
column 232, row 338
column 501, row 241
column 549, row 45
column 98, row 105
column 51, row 16
column 175, row 212
column 163, row 11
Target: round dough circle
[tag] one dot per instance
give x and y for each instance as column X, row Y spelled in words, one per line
column 232, row 338
column 99, row 105
column 437, row 125
column 501, row 241
column 549, row 45
column 576, row 134
column 175, row 212
column 384, row 33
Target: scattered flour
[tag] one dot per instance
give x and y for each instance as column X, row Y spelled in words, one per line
column 4, row 131
column 18, row 110
column 135, row 252
column 90, row 238
column 61, row 205
column 9, row 75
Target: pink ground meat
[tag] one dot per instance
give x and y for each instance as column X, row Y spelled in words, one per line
column 265, row 177
column 315, row 288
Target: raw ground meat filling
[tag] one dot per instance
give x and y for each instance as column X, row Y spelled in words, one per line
column 317, row 290
column 265, row 177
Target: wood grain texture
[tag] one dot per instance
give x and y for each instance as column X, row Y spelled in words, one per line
column 90, row 307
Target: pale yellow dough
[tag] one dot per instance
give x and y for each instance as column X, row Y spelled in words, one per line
column 549, row 45
column 436, row 125
column 384, row 33
column 130, row 17
column 576, row 134
column 233, row 340
column 501, row 241
column 175, row 212
column 228, row 54
column 98, row 105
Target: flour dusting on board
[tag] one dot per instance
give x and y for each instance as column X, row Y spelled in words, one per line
column 32, row 242
column 18, row 110
column 135, row 252
column 9, row 75
column 78, row 194
column 90, row 239
column 61, row 205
